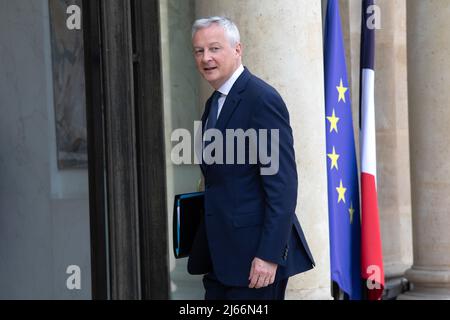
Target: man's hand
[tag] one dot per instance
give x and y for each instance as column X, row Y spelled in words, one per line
column 262, row 273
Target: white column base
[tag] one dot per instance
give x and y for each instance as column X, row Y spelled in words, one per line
column 427, row 284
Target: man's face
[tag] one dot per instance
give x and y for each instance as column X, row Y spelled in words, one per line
column 216, row 59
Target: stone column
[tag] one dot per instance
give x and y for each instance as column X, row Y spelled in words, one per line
column 282, row 44
column 391, row 112
column 429, row 116
column 394, row 185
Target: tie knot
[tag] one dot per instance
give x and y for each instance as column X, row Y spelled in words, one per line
column 216, row 95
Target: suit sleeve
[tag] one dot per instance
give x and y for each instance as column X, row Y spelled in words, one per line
column 278, row 177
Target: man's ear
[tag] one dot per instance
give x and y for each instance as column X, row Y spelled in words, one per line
column 238, row 49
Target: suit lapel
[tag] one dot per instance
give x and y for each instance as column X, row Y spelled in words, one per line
column 232, row 100
column 230, row 105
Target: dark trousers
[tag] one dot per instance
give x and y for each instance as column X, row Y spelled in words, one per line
column 218, row 291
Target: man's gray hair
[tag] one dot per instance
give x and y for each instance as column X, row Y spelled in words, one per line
column 231, row 29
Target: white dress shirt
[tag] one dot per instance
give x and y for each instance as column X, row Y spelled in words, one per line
column 226, row 87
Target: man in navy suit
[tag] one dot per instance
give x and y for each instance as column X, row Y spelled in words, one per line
column 250, row 241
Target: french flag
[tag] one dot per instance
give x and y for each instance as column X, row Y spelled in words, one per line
column 371, row 250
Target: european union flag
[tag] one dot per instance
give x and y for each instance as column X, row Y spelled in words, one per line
column 343, row 191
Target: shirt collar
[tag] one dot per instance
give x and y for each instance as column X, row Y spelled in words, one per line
column 226, row 87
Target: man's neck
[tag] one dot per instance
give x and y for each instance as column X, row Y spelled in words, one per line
column 228, row 84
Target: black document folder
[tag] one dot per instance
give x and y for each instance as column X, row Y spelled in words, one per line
column 188, row 211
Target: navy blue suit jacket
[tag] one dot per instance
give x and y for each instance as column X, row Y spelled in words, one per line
column 247, row 214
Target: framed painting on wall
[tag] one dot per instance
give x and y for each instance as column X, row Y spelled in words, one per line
column 68, row 87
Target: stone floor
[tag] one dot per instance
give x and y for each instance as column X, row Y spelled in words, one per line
column 184, row 285
column 189, row 287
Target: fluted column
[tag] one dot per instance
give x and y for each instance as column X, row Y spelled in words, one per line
column 391, row 96
column 392, row 135
column 282, row 44
column 429, row 116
